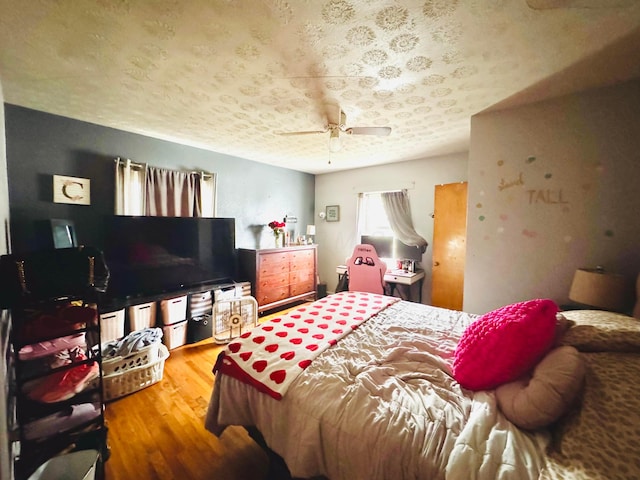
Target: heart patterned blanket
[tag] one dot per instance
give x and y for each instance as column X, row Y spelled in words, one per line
column 271, row 356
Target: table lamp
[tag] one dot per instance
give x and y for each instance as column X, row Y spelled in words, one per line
column 311, row 231
column 599, row 289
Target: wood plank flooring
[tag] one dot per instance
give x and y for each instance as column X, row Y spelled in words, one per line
column 158, row 433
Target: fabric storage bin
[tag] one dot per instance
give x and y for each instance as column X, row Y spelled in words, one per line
column 142, row 316
column 175, row 335
column 228, row 292
column 200, row 304
column 111, row 325
column 173, row 310
column 199, row 328
column 129, row 376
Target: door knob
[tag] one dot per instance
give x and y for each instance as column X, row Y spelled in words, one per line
column 435, row 264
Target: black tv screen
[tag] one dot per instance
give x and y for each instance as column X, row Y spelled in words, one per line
column 153, row 255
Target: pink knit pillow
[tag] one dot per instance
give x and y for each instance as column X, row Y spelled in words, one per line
column 504, row 344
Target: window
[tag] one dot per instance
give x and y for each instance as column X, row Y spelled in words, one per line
column 372, row 218
column 394, row 236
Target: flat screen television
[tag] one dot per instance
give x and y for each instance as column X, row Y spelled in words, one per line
column 390, row 247
column 153, row 255
column 382, row 244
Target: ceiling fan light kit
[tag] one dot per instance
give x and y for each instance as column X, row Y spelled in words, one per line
column 334, row 140
column 340, row 125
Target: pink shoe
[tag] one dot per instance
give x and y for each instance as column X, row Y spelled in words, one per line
column 64, row 385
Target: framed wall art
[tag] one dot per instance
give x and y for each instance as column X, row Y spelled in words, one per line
column 333, row 213
column 71, row 190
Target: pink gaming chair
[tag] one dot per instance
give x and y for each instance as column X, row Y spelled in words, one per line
column 366, row 271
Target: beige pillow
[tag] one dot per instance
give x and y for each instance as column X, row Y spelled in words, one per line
column 600, row 331
column 538, row 401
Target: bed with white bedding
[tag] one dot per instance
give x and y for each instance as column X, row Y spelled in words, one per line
column 381, row 402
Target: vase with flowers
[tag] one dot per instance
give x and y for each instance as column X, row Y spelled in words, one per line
column 278, row 232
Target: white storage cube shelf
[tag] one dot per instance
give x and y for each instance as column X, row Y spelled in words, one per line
column 142, row 316
column 111, row 326
column 175, row 335
column 173, row 310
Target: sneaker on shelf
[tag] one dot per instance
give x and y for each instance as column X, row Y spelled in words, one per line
column 63, row 385
column 67, row 357
column 51, row 347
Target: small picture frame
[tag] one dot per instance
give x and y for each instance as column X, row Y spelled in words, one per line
column 333, row 213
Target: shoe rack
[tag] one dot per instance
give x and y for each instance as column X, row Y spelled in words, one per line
column 57, row 382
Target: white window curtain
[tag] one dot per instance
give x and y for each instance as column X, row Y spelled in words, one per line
column 208, row 194
column 144, row 190
column 396, row 206
column 130, row 184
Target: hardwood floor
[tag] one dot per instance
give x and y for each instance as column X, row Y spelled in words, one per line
column 158, row 432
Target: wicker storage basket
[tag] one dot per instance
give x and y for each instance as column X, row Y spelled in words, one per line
column 130, row 374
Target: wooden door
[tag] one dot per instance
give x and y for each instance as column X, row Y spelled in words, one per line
column 449, row 245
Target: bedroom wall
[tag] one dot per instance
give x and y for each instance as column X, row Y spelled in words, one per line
column 40, row 145
column 337, row 239
column 553, row 186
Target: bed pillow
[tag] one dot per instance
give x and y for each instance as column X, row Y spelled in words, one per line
column 600, row 331
column 504, row 344
column 543, row 398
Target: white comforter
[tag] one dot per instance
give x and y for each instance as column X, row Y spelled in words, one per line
column 382, row 404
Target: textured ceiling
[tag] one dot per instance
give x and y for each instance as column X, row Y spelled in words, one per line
column 228, row 75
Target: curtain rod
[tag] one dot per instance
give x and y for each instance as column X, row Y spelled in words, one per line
column 132, row 164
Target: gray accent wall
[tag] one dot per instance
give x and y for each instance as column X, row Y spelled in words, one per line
column 40, row 145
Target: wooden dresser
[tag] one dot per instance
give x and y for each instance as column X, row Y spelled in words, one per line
column 280, row 276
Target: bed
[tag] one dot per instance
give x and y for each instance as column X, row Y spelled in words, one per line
column 380, row 399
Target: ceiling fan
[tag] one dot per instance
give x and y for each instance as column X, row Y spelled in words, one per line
column 338, row 125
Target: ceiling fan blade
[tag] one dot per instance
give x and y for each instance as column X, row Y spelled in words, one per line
column 309, row 132
column 380, row 131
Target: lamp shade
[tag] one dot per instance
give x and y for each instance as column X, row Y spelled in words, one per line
column 311, row 229
column 600, row 289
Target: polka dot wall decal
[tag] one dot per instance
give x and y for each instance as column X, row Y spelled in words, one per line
column 500, row 163
column 548, row 175
column 478, row 205
column 504, row 217
column 567, row 239
column 608, row 233
column 600, row 168
column 500, row 230
column 481, row 218
column 529, row 233
column 481, row 193
column 531, row 159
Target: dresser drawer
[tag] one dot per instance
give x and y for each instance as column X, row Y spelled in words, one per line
column 303, row 259
column 273, row 263
column 302, row 287
column 299, row 276
column 265, row 296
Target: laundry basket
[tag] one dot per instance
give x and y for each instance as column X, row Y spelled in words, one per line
column 134, row 372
